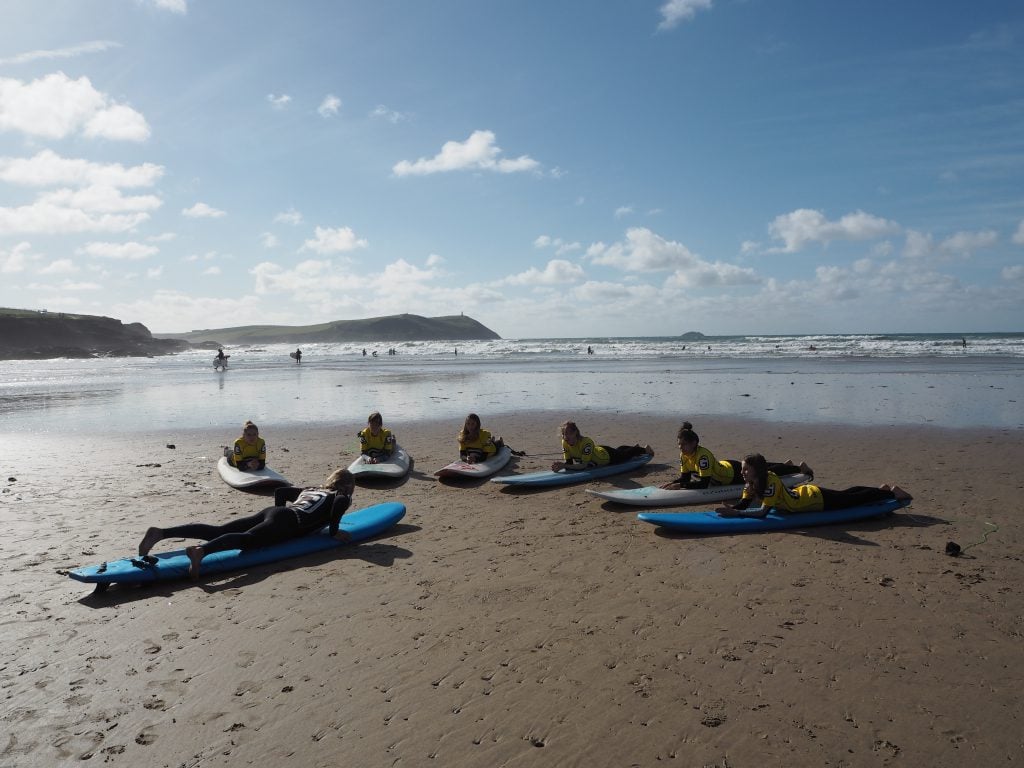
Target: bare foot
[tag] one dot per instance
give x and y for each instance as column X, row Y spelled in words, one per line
column 900, row 494
column 153, row 535
column 806, row 469
column 195, row 556
column 648, row 450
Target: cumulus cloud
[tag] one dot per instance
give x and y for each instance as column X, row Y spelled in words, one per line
column 278, row 102
column 203, row 211
column 643, row 251
column 623, row 210
column 100, row 198
column 130, row 250
column 478, row 152
column 291, row 216
column 675, row 11
column 333, row 240
column 46, row 217
column 16, row 259
column 557, row 272
column 329, row 106
column 561, row 246
column 966, row 243
column 174, row 6
column 805, row 226
column 56, row 107
column 269, row 240
column 1018, row 236
column 392, row 116
column 46, row 169
column 1014, row 274
column 95, row 46
column 59, row 267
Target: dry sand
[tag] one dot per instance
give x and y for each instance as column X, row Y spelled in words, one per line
column 496, row 628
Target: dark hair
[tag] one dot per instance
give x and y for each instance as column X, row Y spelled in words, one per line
column 760, row 465
column 568, row 426
column 375, row 416
column 686, row 433
column 462, row 432
column 250, row 425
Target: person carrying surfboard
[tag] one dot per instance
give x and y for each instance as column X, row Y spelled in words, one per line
column 296, row 512
column 698, row 467
column 250, row 450
column 376, row 442
column 581, row 452
column 476, row 444
column 764, row 487
column 297, row 354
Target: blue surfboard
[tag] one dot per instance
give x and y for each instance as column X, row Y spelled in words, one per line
column 569, row 476
column 360, row 524
column 712, row 522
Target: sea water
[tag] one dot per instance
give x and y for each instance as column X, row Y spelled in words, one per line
column 897, row 379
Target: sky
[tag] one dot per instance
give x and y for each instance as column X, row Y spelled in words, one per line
column 550, row 168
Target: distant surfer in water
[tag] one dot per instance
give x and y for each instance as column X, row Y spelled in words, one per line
column 250, row 450
column 298, row 356
column 296, row 512
column 698, row 467
column 221, row 360
column 581, row 452
column 764, row 487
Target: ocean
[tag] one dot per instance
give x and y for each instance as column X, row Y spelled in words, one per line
column 972, row 380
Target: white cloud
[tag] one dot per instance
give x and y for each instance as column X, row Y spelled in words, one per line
column 478, row 152
column 100, row 198
column 1014, row 274
column 543, row 241
column 917, row 245
column 1018, row 236
column 269, row 240
column 329, row 106
column 966, row 243
column 154, row 272
column 557, row 271
column 291, row 216
column 16, row 259
column 67, row 285
column 434, row 260
column 130, row 250
column 202, row 211
column 643, row 251
column 214, row 270
column 47, row 218
column 805, row 226
column 47, row 168
column 163, row 237
column 174, row 6
column 59, row 267
column 382, row 112
column 561, row 247
column 675, row 11
column 336, row 240
column 623, row 210
column 55, row 107
column 278, row 102
column 96, row 46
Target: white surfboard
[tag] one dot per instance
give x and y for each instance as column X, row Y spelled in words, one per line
column 652, row 496
column 480, row 468
column 258, row 478
column 397, row 465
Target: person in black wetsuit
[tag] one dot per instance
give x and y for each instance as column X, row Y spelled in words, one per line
column 296, row 512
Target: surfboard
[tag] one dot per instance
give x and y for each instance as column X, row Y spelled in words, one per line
column 397, row 465
column 257, row 478
column 712, row 522
column 652, row 496
column 360, row 524
column 293, row 356
column 569, row 476
column 480, row 469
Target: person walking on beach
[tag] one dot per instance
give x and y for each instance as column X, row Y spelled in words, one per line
column 581, row 452
column 296, row 512
column 698, row 467
column 298, row 356
column 375, row 442
column 250, row 450
column 477, row 444
column 765, row 487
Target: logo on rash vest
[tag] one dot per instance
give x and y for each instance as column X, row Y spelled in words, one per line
column 703, row 463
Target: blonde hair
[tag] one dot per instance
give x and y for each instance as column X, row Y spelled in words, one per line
column 250, row 425
column 338, row 479
column 569, row 426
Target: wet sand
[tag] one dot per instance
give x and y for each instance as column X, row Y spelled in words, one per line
column 502, row 628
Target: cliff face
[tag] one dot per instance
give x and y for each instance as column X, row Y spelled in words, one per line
column 374, row 329
column 38, row 335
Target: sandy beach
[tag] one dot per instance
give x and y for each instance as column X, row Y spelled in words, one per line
column 502, row 628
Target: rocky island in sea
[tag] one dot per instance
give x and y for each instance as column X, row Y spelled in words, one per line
column 38, row 334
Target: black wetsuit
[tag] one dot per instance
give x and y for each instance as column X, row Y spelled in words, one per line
column 297, row 512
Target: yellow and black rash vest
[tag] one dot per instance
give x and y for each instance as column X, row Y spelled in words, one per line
column 382, row 443
column 703, row 463
column 586, row 451
column 484, row 444
column 243, row 451
column 803, row 498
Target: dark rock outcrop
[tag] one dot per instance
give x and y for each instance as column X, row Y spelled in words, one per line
column 27, row 335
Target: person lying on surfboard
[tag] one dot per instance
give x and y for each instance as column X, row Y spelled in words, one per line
column 375, row 442
column 476, row 444
column 250, row 450
column 698, row 467
column 581, row 452
column 764, row 487
column 296, row 512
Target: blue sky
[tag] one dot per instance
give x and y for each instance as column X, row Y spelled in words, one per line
column 628, row 167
